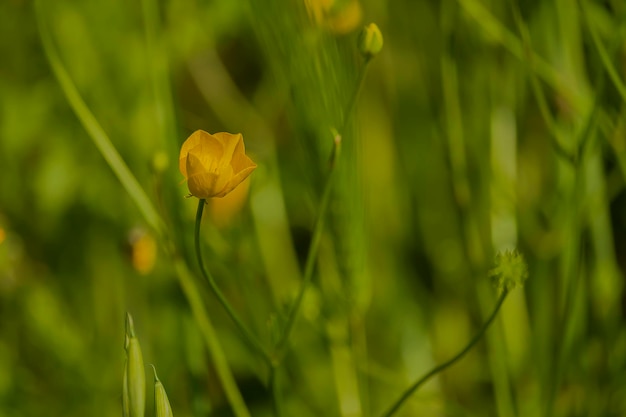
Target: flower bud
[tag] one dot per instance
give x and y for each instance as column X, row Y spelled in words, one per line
column 370, row 41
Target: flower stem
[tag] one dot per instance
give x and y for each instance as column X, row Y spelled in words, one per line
column 355, row 94
column 211, row 339
column 250, row 338
column 396, row 406
column 273, row 385
column 321, row 215
column 311, row 255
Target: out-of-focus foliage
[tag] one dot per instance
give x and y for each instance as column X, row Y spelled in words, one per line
column 482, row 125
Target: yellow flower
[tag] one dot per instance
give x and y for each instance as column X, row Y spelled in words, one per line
column 214, row 165
column 339, row 16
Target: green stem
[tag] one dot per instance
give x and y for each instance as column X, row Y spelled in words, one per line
column 95, row 131
column 449, row 362
column 321, row 215
column 253, row 341
column 310, row 262
column 605, row 55
column 274, row 387
column 355, row 94
column 211, row 339
column 556, row 137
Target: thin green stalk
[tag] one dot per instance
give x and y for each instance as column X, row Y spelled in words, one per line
column 250, row 338
column 275, row 388
column 498, row 31
column 321, row 215
column 449, row 362
column 355, row 94
column 605, row 56
column 95, row 131
column 211, row 339
column 544, row 109
column 310, row 263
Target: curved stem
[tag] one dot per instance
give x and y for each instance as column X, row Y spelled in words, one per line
column 310, row 262
column 211, row 339
column 321, row 215
column 449, row 362
column 253, row 341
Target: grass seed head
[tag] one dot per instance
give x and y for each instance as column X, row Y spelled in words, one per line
column 161, row 402
column 134, row 375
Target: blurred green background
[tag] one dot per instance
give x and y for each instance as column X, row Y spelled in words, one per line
column 482, row 125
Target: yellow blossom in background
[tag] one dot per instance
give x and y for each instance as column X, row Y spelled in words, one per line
column 143, row 250
column 339, row 16
column 224, row 210
column 214, row 164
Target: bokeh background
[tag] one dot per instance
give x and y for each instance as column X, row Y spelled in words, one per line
column 483, row 125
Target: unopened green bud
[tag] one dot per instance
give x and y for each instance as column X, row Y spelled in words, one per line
column 510, row 270
column 162, row 406
column 134, row 387
column 370, row 40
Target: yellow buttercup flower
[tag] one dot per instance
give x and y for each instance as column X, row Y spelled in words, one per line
column 339, row 16
column 214, row 165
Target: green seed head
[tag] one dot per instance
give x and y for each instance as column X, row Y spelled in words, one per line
column 370, row 41
column 510, row 270
column 161, row 402
column 134, row 374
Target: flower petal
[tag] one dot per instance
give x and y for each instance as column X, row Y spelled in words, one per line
column 230, row 143
column 204, row 183
column 214, row 147
column 240, row 160
column 235, row 180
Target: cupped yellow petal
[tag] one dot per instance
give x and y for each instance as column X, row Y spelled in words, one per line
column 205, row 183
column 235, row 180
column 240, row 160
column 212, row 146
column 230, row 142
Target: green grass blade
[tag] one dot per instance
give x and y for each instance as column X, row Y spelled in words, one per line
column 95, row 131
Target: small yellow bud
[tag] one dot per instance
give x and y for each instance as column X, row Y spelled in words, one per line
column 370, row 40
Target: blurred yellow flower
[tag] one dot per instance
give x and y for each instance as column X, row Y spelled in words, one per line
column 339, row 16
column 214, row 165
column 143, row 250
column 224, row 211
